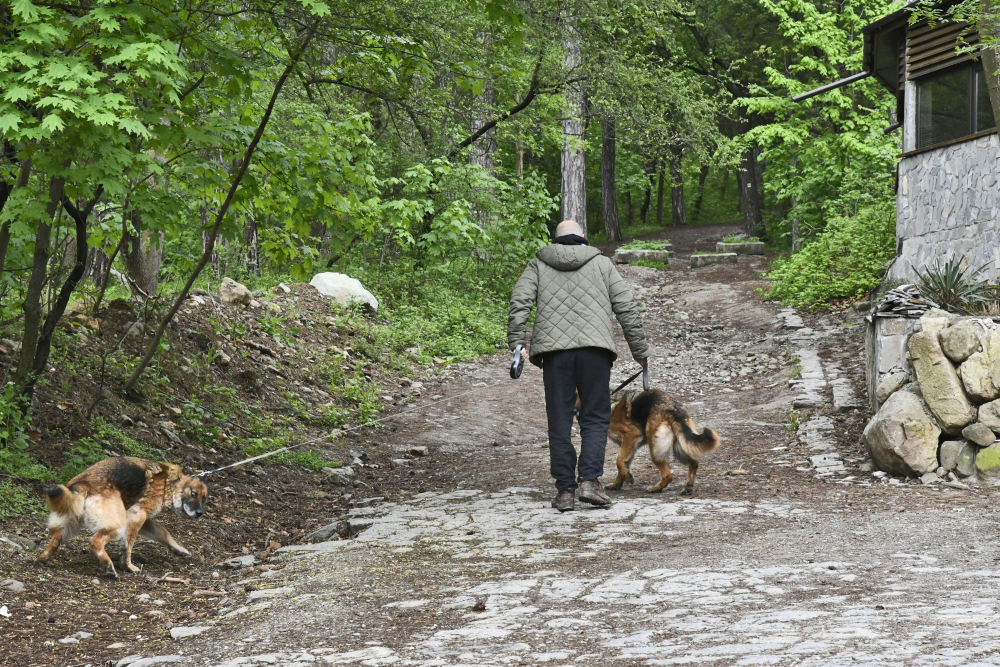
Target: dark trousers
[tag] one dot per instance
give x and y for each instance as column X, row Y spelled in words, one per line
column 586, row 370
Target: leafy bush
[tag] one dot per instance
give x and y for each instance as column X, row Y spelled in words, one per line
column 845, row 261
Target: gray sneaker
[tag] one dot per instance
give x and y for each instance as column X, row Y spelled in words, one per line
column 563, row 501
column 592, row 492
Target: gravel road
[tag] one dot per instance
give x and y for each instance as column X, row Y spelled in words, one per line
column 790, row 552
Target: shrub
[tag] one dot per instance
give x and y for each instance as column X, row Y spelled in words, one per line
column 953, row 287
column 845, row 261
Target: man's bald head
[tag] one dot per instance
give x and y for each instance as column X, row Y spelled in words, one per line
column 567, row 227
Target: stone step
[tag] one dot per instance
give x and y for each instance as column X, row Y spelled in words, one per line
column 810, row 382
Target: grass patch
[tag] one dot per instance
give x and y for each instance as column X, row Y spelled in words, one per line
column 740, row 239
column 645, row 245
column 306, row 458
column 648, row 263
column 16, row 500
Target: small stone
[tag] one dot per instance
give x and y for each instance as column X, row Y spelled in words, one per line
column 866, row 466
column 941, row 472
column 240, row 561
column 69, row 640
column 269, row 593
column 171, row 436
column 254, row 303
column 181, row 631
column 223, row 359
column 12, row 585
column 83, row 635
column 980, row 434
column 890, row 383
column 357, row 525
column 339, row 476
column 401, row 462
column 284, row 288
column 930, row 478
column 418, row 451
column 116, row 646
column 155, row 613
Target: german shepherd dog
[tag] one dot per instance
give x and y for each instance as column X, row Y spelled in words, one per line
column 655, row 417
column 117, row 498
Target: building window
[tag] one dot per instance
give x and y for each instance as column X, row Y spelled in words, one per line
column 952, row 104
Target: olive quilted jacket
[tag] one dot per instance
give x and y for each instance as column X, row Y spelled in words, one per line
column 577, row 290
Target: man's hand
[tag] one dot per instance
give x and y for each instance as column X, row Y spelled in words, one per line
column 524, row 355
column 648, row 360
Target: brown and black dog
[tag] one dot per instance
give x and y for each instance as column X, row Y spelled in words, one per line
column 655, row 417
column 117, row 498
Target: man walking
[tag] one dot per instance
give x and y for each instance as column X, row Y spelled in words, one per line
column 576, row 290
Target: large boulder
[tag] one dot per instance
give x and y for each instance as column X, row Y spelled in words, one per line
column 981, row 371
column 234, row 293
column 988, row 464
column 939, row 383
column 902, row 438
column 980, row 434
column 344, row 289
column 960, row 456
column 989, row 415
column 962, row 340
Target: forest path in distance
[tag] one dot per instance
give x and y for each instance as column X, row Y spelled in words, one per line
column 789, row 552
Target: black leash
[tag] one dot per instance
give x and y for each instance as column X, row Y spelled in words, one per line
column 516, row 366
column 644, row 372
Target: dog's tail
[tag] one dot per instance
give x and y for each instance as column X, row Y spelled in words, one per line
column 61, row 499
column 690, row 445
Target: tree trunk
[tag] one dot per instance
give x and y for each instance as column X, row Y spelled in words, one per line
column 990, row 25
column 142, row 252
column 750, row 194
column 659, row 197
column 609, row 192
column 644, row 211
column 678, row 214
column 574, row 183
column 58, row 308
column 485, row 146
column 702, row 177
column 32, row 305
column 519, row 157
column 628, row 207
column 252, row 258
column 725, row 186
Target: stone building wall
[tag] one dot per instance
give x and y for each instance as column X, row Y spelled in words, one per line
column 948, row 205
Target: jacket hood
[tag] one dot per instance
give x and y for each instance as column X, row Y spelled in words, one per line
column 567, row 257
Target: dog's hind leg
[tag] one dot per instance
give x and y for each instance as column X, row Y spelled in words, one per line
column 689, row 484
column 97, row 544
column 57, row 537
column 155, row 531
column 660, row 444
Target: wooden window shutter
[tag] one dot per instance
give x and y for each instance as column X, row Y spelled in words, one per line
column 932, row 48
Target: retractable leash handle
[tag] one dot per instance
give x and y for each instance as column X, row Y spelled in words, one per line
column 516, row 365
column 645, row 374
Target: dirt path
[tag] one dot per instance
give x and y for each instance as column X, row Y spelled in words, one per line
column 789, row 552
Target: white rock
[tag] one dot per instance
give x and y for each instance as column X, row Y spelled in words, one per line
column 234, row 293
column 344, row 289
column 903, row 437
column 182, row 631
column 269, row 593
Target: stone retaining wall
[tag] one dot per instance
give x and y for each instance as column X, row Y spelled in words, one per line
column 947, row 206
column 935, row 383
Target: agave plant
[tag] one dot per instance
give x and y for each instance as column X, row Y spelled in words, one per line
column 955, row 288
